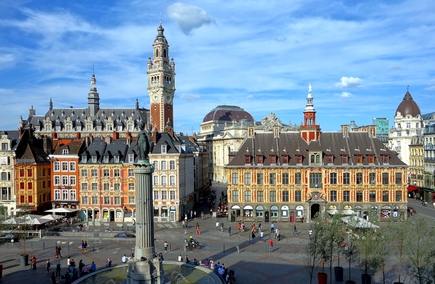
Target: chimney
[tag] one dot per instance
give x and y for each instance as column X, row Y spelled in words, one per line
column 345, row 130
column 115, row 135
column 54, row 135
column 108, row 139
column 78, row 135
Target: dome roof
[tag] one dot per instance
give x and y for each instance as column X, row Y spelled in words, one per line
column 228, row 113
column 408, row 106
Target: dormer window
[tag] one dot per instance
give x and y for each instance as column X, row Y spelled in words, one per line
column 163, row 149
column 371, row 159
column 345, row 159
column 272, row 159
column 116, row 159
column 299, row 159
column 248, row 159
column 359, row 159
column 285, row 159
column 106, row 159
column 385, row 159
column 315, row 158
column 260, row 159
column 94, row 159
column 131, row 158
column 330, row 159
column 65, row 152
column 84, row 159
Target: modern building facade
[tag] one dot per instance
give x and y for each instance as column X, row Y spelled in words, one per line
column 289, row 176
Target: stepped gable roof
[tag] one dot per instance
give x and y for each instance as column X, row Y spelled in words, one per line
column 408, row 106
column 332, row 143
column 224, row 113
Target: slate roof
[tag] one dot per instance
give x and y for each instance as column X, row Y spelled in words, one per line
column 329, row 143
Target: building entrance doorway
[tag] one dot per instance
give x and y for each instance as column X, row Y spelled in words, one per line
column 315, row 209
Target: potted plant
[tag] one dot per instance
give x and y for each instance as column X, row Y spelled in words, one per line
column 368, row 243
column 313, row 251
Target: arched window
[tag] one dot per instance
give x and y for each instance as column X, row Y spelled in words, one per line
column 164, row 53
column 157, row 53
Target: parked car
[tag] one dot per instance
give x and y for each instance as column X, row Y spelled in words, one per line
column 125, row 235
column 9, row 238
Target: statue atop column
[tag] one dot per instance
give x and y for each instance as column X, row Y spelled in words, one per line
column 143, row 145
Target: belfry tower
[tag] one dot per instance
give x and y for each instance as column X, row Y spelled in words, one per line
column 161, row 84
column 309, row 129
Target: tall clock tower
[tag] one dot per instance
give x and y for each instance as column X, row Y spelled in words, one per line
column 161, row 84
column 309, row 129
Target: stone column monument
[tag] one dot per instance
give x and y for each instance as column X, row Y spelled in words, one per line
column 146, row 268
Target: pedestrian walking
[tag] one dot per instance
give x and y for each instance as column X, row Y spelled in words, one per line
column 47, row 266
column 229, row 230
column 310, row 234
column 58, row 265
column 198, row 232
column 295, row 231
column 33, row 261
column 272, row 227
column 165, row 245
column 202, row 215
column 217, row 225
column 53, row 278
column 270, row 245
column 261, row 236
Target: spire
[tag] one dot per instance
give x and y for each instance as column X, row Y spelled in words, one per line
column 50, row 105
column 309, row 106
column 137, row 103
column 93, row 96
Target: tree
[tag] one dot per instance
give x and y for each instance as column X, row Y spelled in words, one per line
column 396, row 238
column 419, row 250
column 367, row 246
column 314, row 247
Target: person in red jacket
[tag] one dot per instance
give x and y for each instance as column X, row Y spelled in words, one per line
column 270, row 245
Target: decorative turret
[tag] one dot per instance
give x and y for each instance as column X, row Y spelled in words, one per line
column 50, row 105
column 93, row 97
column 161, row 82
column 309, row 129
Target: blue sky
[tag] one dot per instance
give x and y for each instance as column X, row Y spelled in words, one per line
column 359, row 56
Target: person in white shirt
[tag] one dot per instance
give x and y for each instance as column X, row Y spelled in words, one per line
column 124, row 259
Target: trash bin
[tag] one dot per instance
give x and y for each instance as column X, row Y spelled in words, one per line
column 24, row 259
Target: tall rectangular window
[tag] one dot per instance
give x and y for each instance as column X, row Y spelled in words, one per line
column 247, row 178
column 57, row 194
column 131, row 186
column 315, row 180
column 298, row 195
column 57, row 166
column 106, row 186
column 106, row 173
column 72, row 194
column 385, row 196
column 333, row 196
column 56, row 180
column 164, row 195
column 372, row 196
column 346, row 196
column 84, row 173
column 117, row 186
column 117, row 200
column 72, row 180
column 235, row 196
column 359, row 196
column 247, row 196
column 285, row 178
column 272, row 178
column 64, row 194
column 235, row 178
column 372, row 178
column 64, row 166
column 285, row 196
column 259, row 178
column 84, row 199
column 385, row 178
column 116, row 173
column 130, row 172
column 72, row 166
column 106, row 200
column 84, row 186
column 94, row 173
column 273, row 196
column 94, row 199
column 260, row 196
column 64, row 180
column 172, row 180
column 398, row 195
column 163, row 164
column 163, row 180
column 156, row 180
column 131, row 200
column 298, row 178
column 156, row 195
column 398, row 178
column 333, row 178
column 94, row 186
column 346, row 178
column 172, row 194
column 359, row 178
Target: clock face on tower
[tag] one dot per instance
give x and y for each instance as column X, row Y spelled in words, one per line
column 168, row 98
column 154, row 97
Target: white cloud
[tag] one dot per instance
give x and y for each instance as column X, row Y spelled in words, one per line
column 345, row 94
column 188, row 17
column 250, row 96
column 189, row 97
column 349, row 82
column 430, row 88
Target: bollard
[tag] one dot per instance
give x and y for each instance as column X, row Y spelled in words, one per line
column 238, row 249
column 223, row 248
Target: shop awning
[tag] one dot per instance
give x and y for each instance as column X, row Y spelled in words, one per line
column 412, row 188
